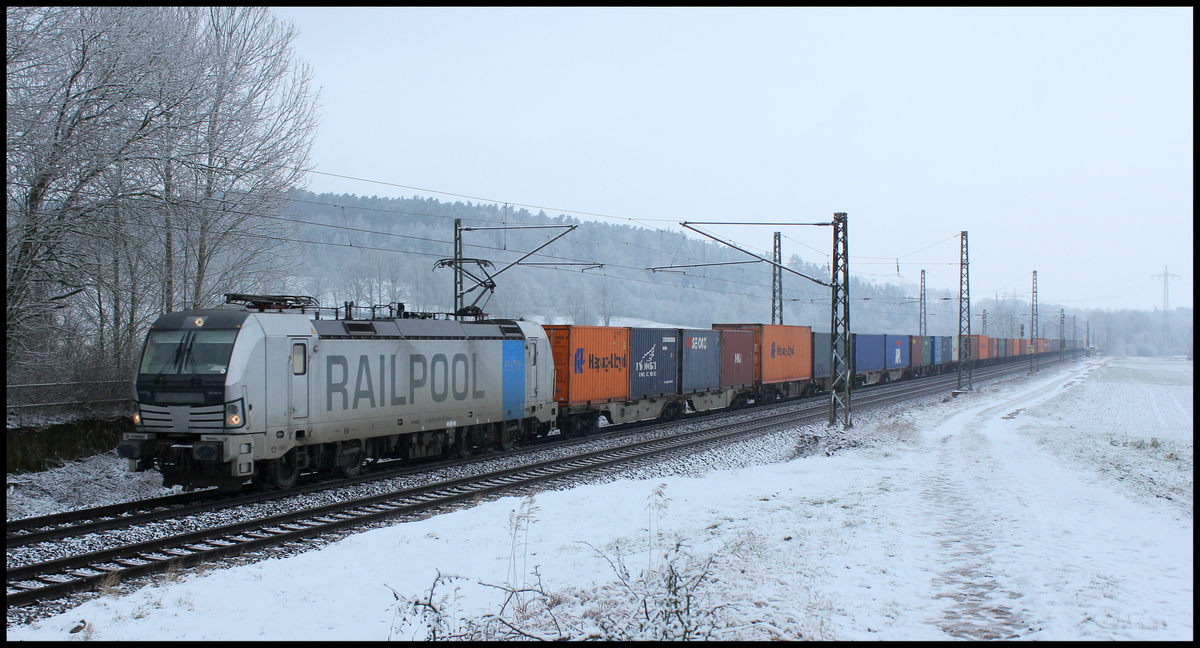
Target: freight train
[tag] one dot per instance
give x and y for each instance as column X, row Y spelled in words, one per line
column 267, row 389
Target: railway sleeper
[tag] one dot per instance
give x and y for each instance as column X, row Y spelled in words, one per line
column 54, row 580
column 87, row 572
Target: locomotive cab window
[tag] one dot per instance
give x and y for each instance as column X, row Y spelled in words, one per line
column 188, row 352
column 299, row 357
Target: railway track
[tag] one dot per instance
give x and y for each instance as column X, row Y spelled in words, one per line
column 37, row 581
column 33, row 530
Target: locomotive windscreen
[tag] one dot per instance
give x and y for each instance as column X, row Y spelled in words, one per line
column 188, row 352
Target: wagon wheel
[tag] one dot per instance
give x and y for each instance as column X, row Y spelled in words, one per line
column 569, row 428
column 349, row 459
column 283, row 472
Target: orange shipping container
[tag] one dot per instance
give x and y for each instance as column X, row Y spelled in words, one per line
column 782, row 353
column 980, row 347
column 591, row 363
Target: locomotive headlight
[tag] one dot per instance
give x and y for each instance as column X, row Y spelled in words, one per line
column 233, row 414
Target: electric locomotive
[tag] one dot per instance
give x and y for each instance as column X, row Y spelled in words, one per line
column 224, row 396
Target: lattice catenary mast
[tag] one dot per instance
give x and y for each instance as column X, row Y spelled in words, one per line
column 839, row 323
column 964, row 315
column 1033, row 329
column 921, row 318
column 777, row 284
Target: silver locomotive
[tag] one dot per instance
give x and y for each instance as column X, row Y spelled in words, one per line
column 264, row 392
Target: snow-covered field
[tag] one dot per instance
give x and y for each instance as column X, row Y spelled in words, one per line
column 1057, row 506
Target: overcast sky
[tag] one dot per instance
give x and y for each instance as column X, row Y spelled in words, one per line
column 1060, row 139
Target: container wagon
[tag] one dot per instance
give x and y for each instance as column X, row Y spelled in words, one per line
column 782, row 359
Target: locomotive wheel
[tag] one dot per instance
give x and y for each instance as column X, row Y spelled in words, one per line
column 464, row 450
column 464, row 447
column 508, row 439
column 350, row 462
column 283, row 472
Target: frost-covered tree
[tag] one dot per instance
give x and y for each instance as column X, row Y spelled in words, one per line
column 150, row 153
column 84, row 99
column 253, row 129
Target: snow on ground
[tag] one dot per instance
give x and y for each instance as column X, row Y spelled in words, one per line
column 1056, row 506
column 95, row 481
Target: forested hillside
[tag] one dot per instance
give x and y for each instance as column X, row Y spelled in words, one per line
column 375, row 250
column 379, row 250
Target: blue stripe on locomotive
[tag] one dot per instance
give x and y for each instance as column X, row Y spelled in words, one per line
column 513, row 378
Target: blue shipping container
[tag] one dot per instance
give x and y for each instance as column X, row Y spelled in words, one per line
column 653, row 362
column 943, row 350
column 868, row 353
column 700, row 360
column 897, row 352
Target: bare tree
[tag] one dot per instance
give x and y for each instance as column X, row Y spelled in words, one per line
column 255, row 122
column 150, row 153
column 84, row 97
column 608, row 299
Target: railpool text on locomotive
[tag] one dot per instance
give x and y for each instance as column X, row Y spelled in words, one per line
column 438, row 377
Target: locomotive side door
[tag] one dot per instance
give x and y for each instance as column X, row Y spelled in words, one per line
column 531, row 371
column 298, row 366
